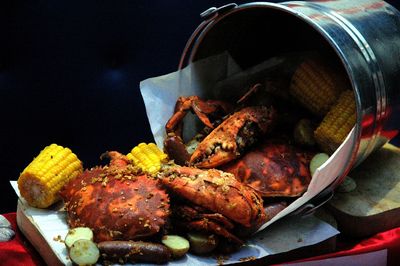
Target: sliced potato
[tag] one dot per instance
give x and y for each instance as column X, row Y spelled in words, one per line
column 304, row 133
column 178, row 245
column 84, row 252
column 77, row 233
column 201, row 243
column 318, row 160
column 348, row 185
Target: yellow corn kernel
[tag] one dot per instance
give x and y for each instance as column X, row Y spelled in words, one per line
column 317, row 86
column 148, row 157
column 337, row 123
column 40, row 182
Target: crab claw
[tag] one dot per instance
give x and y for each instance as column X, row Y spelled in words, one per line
column 238, row 132
column 203, row 109
column 217, row 192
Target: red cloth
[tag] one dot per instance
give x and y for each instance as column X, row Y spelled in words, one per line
column 18, row 251
column 389, row 240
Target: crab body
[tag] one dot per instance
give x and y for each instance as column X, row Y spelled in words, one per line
column 117, row 202
column 273, row 169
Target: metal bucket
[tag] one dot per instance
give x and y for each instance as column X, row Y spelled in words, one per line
column 363, row 35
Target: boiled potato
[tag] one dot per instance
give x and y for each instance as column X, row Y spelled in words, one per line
column 84, row 252
column 77, row 233
column 201, row 243
column 318, row 160
column 348, row 185
column 178, row 245
column 304, row 133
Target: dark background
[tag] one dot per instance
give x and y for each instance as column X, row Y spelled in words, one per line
column 70, row 73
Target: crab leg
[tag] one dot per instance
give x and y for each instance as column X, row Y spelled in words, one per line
column 210, row 226
column 200, row 107
column 191, row 213
column 176, row 149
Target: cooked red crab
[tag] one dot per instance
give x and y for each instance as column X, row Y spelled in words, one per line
column 116, row 201
column 273, row 169
column 233, row 136
column 214, row 201
column 208, row 111
column 226, row 142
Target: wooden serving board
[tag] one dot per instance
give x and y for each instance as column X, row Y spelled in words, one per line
column 32, row 232
column 374, row 206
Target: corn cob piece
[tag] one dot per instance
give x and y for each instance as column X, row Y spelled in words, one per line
column 337, row 123
column 42, row 179
column 317, row 86
column 148, row 157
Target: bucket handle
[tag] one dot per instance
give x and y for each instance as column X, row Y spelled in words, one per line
column 208, row 15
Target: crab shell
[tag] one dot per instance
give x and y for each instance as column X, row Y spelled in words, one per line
column 116, row 203
column 236, row 133
column 273, row 169
column 218, row 192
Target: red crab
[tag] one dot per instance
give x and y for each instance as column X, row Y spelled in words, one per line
column 116, row 201
column 231, row 138
column 225, row 142
column 209, row 112
column 205, row 110
column 273, row 169
column 215, row 201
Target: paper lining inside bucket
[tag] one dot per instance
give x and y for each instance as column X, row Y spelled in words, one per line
column 219, row 77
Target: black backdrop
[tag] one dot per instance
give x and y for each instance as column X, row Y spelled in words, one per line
column 70, row 73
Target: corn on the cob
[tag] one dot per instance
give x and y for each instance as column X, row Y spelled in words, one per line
column 317, row 86
column 337, row 123
column 42, row 179
column 148, row 157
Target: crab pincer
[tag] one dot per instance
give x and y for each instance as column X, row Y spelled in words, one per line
column 233, row 136
column 220, row 203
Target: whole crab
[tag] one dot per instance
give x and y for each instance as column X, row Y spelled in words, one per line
column 208, row 111
column 117, row 202
column 273, row 168
column 213, row 201
column 226, row 141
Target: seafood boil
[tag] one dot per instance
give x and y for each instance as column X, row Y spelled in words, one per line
column 205, row 196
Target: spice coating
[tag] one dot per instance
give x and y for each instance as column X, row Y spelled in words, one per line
column 116, row 201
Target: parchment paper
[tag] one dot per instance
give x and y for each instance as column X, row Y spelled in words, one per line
column 285, row 235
